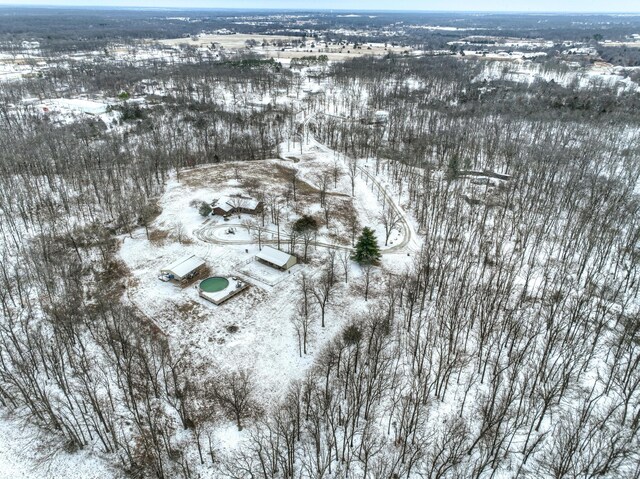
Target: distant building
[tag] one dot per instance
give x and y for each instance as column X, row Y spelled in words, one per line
column 237, row 204
column 276, row 258
column 184, row 268
column 380, row 117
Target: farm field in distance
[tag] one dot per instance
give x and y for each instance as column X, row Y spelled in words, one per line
column 279, row 47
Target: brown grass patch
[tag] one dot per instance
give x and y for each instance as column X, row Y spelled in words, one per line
column 158, row 237
column 187, row 308
column 251, row 175
column 207, row 175
column 302, row 187
column 185, row 241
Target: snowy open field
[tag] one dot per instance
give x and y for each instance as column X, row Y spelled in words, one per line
column 262, row 314
column 231, row 42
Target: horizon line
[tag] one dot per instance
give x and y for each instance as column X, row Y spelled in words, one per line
column 302, row 9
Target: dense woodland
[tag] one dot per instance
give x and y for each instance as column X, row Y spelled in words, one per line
column 511, row 347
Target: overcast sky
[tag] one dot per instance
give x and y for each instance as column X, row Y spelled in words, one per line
column 443, row 5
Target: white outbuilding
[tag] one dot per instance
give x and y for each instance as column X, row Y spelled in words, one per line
column 381, row 116
column 184, row 268
column 276, row 258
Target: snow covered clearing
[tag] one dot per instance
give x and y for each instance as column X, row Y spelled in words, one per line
column 582, row 78
column 262, row 314
column 27, row 453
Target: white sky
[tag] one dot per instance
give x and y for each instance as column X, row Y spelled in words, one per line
column 631, row 6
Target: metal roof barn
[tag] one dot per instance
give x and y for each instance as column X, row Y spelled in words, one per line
column 183, row 267
column 276, row 258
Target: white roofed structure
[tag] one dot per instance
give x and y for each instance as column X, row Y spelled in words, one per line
column 381, row 116
column 276, row 258
column 237, row 204
column 248, row 203
column 184, row 267
column 223, row 206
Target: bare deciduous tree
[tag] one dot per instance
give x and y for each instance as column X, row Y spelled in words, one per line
column 235, row 393
column 390, row 218
column 322, row 291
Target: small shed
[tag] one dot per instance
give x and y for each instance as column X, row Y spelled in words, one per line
column 381, row 116
column 276, row 258
column 184, row 268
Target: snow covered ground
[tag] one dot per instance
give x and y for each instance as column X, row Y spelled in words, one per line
column 584, row 78
column 261, row 314
column 255, row 327
column 24, row 455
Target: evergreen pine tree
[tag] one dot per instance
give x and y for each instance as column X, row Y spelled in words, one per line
column 205, row 209
column 367, row 249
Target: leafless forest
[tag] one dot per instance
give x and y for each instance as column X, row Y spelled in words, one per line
column 509, row 348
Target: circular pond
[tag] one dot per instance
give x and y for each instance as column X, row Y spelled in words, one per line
column 214, row 284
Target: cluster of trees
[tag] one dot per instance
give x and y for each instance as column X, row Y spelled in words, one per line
column 510, row 346
column 309, row 60
column 76, row 358
column 623, row 56
column 438, row 114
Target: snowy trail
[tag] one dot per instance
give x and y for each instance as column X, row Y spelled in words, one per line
column 207, row 233
column 409, row 236
column 214, row 234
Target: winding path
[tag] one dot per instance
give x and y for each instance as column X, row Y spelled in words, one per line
column 215, row 233
column 407, row 229
column 409, row 234
column 208, row 234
